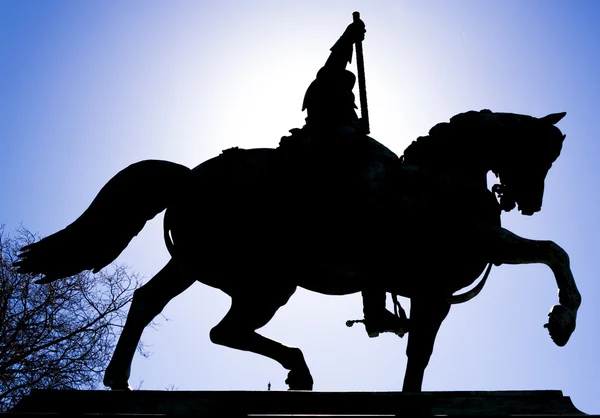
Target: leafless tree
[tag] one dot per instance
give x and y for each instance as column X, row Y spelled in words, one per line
column 58, row 335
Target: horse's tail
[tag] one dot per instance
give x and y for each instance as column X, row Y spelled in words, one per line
column 118, row 213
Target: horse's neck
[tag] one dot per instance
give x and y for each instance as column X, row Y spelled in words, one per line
column 449, row 151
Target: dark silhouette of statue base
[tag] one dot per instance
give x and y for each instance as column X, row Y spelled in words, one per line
column 258, row 223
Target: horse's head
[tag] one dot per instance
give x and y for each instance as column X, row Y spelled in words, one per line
column 534, row 144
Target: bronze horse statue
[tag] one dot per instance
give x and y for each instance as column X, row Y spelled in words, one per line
column 258, row 223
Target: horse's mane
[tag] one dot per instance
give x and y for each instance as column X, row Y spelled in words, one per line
column 445, row 139
column 433, row 149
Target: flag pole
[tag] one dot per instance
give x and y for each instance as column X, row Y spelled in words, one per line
column 362, row 88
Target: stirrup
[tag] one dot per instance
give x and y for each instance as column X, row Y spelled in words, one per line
column 375, row 333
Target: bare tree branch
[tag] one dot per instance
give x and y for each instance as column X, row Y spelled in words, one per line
column 59, row 335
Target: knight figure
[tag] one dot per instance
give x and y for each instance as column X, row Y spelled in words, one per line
column 335, row 140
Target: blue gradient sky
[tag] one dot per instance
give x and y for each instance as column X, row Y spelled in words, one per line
column 89, row 87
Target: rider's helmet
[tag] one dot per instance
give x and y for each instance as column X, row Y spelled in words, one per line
column 332, row 88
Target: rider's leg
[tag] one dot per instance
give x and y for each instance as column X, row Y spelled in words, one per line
column 373, row 182
column 377, row 318
column 352, row 164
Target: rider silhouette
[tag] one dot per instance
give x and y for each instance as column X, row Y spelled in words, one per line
column 335, row 128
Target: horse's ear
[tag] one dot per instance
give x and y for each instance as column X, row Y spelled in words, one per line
column 553, row 118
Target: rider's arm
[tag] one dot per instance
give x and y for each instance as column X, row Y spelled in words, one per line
column 329, row 98
column 341, row 52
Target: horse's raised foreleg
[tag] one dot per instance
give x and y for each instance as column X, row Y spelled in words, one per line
column 504, row 247
column 148, row 301
column 426, row 316
column 251, row 311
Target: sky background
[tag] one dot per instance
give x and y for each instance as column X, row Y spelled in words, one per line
column 89, row 87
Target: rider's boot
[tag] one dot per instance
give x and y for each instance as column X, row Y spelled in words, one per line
column 378, row 319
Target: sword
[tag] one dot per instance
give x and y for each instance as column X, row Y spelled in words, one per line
column 362, row 88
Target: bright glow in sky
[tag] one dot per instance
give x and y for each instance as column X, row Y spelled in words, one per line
column 89, row 87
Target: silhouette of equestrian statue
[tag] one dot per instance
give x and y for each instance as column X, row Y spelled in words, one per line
column 333, row 211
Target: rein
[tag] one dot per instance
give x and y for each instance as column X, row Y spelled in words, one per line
column 467, row 296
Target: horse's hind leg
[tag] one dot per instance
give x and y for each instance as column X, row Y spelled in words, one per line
column 508, row 248
column 148, row 301
column 251, row 311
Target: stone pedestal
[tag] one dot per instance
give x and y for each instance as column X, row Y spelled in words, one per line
column 48, row 403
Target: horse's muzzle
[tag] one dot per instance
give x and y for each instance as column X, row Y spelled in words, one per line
column 529, row 210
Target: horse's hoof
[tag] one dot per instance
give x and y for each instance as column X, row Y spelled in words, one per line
column 299, row 380
column 561, row 324
column 114, row 384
